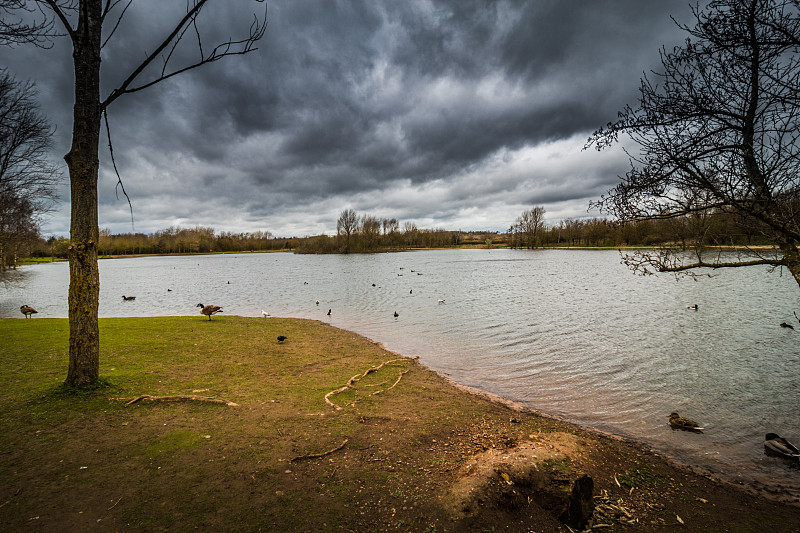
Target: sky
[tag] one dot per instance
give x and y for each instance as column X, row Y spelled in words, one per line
column 452, row 114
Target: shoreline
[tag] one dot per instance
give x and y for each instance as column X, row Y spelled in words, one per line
column 753, row 488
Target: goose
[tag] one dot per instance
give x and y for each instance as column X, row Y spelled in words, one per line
column 317, row 302
column 411, row 291
column 27, row 310
column 209, row 310
column 775, row 445
column 128, row 298
column 395, row 314
column 329, row 312
column 785, row 325
column 686, row 424
column 281, row 338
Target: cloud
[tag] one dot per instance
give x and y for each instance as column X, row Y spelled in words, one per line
column 450, row 113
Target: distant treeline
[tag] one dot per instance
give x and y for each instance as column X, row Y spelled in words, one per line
column 387, row 235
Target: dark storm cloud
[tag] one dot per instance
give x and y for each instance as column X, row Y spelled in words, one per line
column 454, row 113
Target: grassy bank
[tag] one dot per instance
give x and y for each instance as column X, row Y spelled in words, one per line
column 404, row 451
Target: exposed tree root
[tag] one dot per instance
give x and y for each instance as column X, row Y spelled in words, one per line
column 317, row 455
column 399, row 377
column 352, row 381
column 181, row 398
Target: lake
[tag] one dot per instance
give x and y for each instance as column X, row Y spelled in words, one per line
column 571, row 333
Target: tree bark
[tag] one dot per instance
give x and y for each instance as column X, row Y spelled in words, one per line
column 83, row 164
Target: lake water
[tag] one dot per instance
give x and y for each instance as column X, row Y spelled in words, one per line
column 570, row 333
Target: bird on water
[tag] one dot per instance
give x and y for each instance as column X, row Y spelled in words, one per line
column 775, row 445
column 128, row 298
column 785, row 325
column 209, row 310
column 27, row 310
column 686, row 424
column 395, row 314
column 329, row 312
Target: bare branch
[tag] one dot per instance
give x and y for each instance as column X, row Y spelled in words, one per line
column 228, row 48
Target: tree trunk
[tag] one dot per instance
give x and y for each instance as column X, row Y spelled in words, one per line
column 82, row 160
column 791, row 255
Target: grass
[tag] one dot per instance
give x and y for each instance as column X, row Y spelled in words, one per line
column 83, row 460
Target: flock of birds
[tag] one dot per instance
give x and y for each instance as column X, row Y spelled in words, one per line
column 774, row 444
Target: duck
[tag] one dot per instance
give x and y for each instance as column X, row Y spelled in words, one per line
column 282, row 338
column 395, row 314
column 785, row 325
column 775, row 445
column 209, row 310
column 329, row 312
column 27, row 310
column 128, row 298
column 686, row 424
column 692, row 307
column 441, row 301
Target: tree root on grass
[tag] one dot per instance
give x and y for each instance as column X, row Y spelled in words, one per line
column 352, row 381
column 180, row 398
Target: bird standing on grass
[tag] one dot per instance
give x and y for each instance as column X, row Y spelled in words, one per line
column 281, row 338
column 209, row 310
column 27, row 310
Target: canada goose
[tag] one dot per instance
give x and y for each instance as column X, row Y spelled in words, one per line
column 281, row 338
column 395, row 314
column 27, row 310
column 775, row 445
column 329, row 312
column 411, row 291
column 209, row 310
column 128, row 298
column 681, row 422
column 785, row 325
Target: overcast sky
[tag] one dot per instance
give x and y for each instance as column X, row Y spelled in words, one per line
column 454, row 114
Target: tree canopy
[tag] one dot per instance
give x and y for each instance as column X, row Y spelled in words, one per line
column 717, row 129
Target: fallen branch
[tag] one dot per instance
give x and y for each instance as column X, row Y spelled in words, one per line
column 317, row 455
column 181, row 398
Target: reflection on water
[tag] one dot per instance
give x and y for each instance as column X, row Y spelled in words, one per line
column 570, row 333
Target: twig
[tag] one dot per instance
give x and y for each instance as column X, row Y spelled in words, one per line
column 317, row 455
column 120, row 499
column 181, row 398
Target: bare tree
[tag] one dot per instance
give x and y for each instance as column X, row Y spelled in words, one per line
column 529, row 223
column 718, row 131
column 27, row 177
column 84, row 22
column 346, row 225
